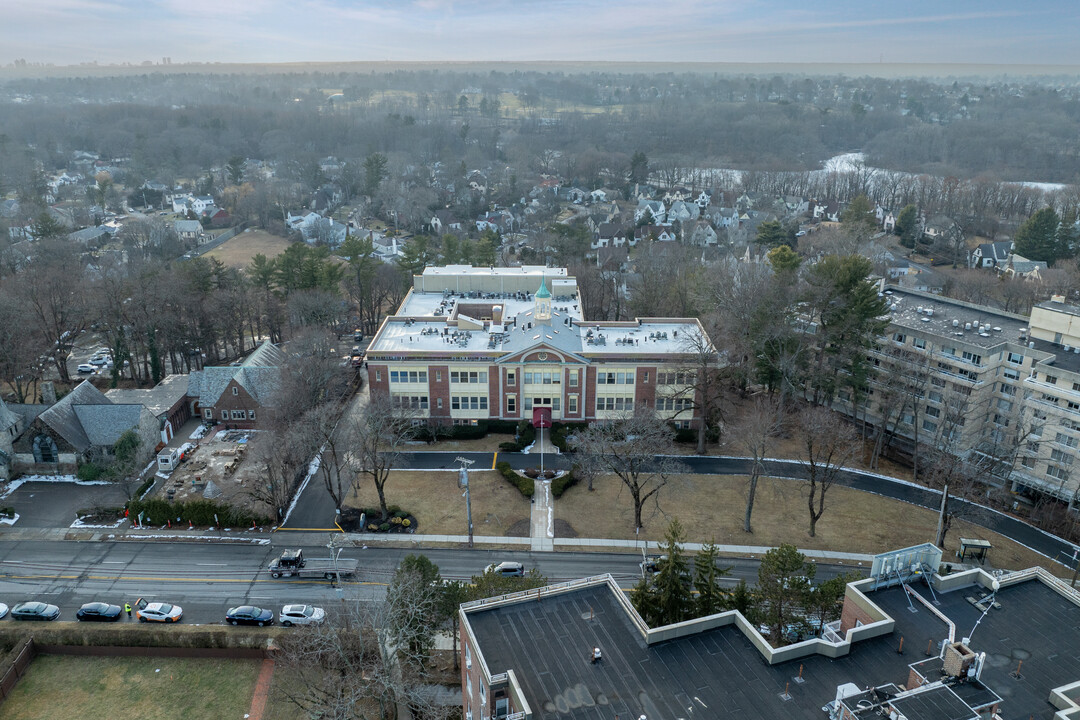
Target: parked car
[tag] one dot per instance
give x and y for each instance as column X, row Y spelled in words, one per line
column 86, row 368
column 249, row 615
column 507, row 569
column 100, row 360
column 34, row 610
column 98, row 612
column 3, row 610
column 158, row 612
column 651, row 564
column 301, row 615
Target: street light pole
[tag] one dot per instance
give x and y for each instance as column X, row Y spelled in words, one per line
column 464, row 478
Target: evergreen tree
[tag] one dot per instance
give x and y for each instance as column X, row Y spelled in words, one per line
column 772, row 234
column 741, row 599
column 783, row 584
column 860, row 212
column 710, row 595
column 666, row 597
column 783, row 259
column 1038, row 238
column 46, row 226
column 416, row 255
column 639, row 168
column 907, row 225
column 374, row 172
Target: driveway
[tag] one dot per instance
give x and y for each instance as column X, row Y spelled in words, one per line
column 54, row 504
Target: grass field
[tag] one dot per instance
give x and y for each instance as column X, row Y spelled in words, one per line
column 434, row 498
column 96, row 688
column 238, row 251
column 711, row 507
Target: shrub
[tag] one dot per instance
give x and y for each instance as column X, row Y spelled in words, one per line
column 145, row 487
column 372, row 527
column 7, row 511
column 89, row 472
column 395, row 520
column 385, row 527
column 524, row 485
column 400, row 514
column 198, row 512
column 563, row 483
column 406, row 522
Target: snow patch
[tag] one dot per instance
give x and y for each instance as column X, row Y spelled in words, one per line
column 10, row 520
column 16, row 484
column 199, row 432
column 110, row 526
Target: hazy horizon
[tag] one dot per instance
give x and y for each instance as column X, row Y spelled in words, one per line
column 785, row 32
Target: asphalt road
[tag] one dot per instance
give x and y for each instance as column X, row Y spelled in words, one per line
column 315, row 510
column 205, row 580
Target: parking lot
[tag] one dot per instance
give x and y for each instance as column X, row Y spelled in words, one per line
column 51, row 504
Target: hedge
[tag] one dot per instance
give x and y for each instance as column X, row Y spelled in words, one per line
column 563, row 483
column 466, row 432
column 141, row 635
column 198, row 512
column 89, row 472
column 525, row 485
column 145, row 487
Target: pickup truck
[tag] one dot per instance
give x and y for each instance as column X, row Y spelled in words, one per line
column 293, row 564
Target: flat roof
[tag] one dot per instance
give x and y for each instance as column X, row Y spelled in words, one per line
column 719, row 673
column 536, row 271
column 939, row 703
column 974, row 325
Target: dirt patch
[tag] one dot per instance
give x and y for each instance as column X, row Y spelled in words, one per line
column 711, row 507
column 435, row 499
column 219, row 458
column 564, row 529
column 521, row 528
column 239, row 251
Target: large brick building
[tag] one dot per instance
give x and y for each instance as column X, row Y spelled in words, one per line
column 479, row 343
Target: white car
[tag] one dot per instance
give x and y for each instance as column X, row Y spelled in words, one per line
column 301, row 615
column 3, row 610
column 160, row 612
column 86, row 368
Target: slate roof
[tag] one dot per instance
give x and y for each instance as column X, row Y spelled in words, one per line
column 183, row 226
column 158, row 399
column 259, row 374
column 63, row 419
column 104, row 424
column 7, row 417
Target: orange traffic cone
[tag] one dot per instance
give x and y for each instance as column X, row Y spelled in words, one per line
column 190, row 526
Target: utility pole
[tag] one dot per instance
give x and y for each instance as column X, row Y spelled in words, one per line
column 463, row 478
column 941, row 516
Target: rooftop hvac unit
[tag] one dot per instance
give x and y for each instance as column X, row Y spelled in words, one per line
column 919, row 309
column 967, row 326
column 956, row 323
column 930, row 311
column 1076, row 350
column 1068, row 348
column 997, row 329
column 1031, row 345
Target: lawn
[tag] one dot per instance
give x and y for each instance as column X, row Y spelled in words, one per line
column 436, row 501
column 99, row 688
column 238, row 251
column 711, row 507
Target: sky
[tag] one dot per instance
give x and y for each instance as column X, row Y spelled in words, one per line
column 70, row 32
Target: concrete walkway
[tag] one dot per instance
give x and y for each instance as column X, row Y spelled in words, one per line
column 542, row 525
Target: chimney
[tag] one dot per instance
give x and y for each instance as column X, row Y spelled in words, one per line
column 1059, row 299
column 958, row 657
column 496, row 314
column 48, row 393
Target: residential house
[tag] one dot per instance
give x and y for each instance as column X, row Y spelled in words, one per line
column 613, row 258
column 796, row 205
column 659, row 233
column 81, row 427
column 888, row 222
column 444, row 221
column 387, row 247
column 677, row 194
column 90, row 236
column 189, row 230
column 703, row 199
column 726, row 217
column 651, row 211
column 700, row 232
column 942, row 228
column 988, row 255
column 237, row 395
column 829, row 210
column 11, row 426
column 609, row 235
column 216, row 217
column 576, row 195
column 1020, row 266
column 683, row 211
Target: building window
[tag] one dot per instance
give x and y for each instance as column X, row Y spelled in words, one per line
column 1052, row 379
column 239, row 415
column 468, row 656
column 224, row 414
column 472, row 376
column 645, row 377
column 1028, row 462
column 528, row 403
column 932, row 411
column 1056, row 472
column 972, row 357
column 1074, row 406
column 438, row 376
column 1061, row 456
column 208, row 414
column 571, row 404
column 511, row 403
column 1065, row 440
column 1016, row 358
column 919, row 343
column 929, row 426
column 1011, row 374
column 251, row 414
column 573, row 380
column 900, row 338
column 511, row 377
column 438, row 403
column 236, row 391
column 378, row 376
column 934, row 396
column 408, row 376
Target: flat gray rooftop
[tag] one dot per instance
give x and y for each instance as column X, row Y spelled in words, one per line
column 718, row 673
column 1002, row 327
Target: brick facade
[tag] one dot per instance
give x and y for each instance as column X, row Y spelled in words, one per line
column 852, row 614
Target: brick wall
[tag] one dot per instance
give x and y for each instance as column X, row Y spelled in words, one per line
column 851, row 614
column 588, row 393
column 378, row 379
column 495, row 382
column 645, row 392
column 439, row 390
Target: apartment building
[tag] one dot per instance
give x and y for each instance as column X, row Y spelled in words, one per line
column 470, row 344
column 991, row 386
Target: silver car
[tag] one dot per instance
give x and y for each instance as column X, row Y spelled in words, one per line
column 301, row 615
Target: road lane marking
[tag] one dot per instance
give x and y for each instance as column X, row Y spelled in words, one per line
column 129, row 578
column 211, row 564
column 309, row 529
column 493, row 459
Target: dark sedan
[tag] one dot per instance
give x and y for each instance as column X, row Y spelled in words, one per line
column 99, row 612
column 35, row 611
column 249, row 615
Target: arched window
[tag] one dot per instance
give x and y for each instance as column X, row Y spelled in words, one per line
column 45, row 450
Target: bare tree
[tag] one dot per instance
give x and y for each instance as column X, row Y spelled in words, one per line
column 51, row 293
column 754, row 436
column 352, row 667
column 628, row 447
column 320, row 424
column 282, row 452
column 378, row 435
column 827, row 443
column 703, row 394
